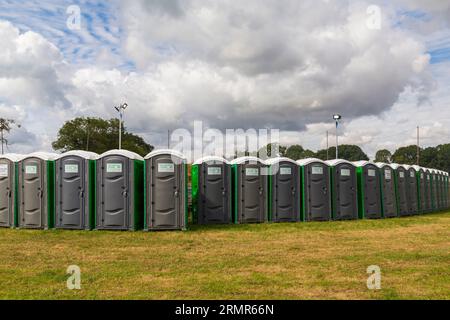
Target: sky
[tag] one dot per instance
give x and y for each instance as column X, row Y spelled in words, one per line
column 287, row 65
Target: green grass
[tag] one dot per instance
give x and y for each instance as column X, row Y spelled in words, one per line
column 270, row 261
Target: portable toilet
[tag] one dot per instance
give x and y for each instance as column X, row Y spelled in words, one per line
column 8, row 190
column 36, row 191
column 412, row 190
column 119, row 191
column 211, row 191
column 388, row 190
column 166, row 191
column 422, row 187
column 250, row 192
column 428, row 192
column 75, row 190
column 443, row 191
column 434, row 190
column 438, row 176
column 316, row 195
column 446, row 177
column 369, row 197
column 344, row 190
column 402, row 189
column 284, row 190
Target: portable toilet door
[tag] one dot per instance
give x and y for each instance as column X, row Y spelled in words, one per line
column 402, row 189
column 316, row 196
column 211, row 191
column 447, row 201
column 428, row 192
column 75, row 190
column 343, row 190
column 166, row 191
column 422, row 189
column 250, row 180
column 388, row 191
column 438, row 190
column 369, row 190
column 434, row 190
column 413, row 197
column 443, row 191
column 284, row 190
column 8, row 190
column 37, row 191
column 119, row 191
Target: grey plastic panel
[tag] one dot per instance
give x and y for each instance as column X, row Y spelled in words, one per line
column 71, row 193
column 214, row 193
column 113, row 189
column 32, row 188
column 252, row 193
column 317, row 192
column 428, row 194
column 412, row 192
column 165, row 193
column 285, row 192
column 345, row 192
column 434, row 189
column 422, row 191
column 402, row 190
column 372, row 200
column 388, row 191
column 7, row 174
column 441, row 192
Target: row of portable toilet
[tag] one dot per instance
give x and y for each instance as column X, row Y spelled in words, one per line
column 249, row 190
column 118, row 190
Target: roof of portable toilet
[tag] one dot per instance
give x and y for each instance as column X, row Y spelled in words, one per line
column 165, row 152
column 363, row 163
column 305, row 162
column 210, row 159
column 124, row 153
column 382, row 165
column 79, row 153
column 396, row 166
column 12, row 157
column 407, row 167
column 246, row 159
column 46, row 156
column 273, row 161
column 418, row 168
column 337, row 162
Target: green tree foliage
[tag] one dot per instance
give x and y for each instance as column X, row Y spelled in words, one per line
column 97, row 135
column 383, row 155
column 405, row 155
column 346, row 152
column 267, row 150
column 295, row 152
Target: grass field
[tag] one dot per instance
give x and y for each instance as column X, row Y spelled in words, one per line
column 271, row 261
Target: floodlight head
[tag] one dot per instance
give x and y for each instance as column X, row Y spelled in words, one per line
column 337, row 117
column 124, row 106
column 117, row 108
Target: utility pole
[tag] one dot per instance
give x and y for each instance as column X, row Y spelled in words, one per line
column 121, row 109
column 5, row 126
column 337, row 118
column 418, row 145
column 168, row 139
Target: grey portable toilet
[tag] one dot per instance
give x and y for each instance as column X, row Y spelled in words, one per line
column 446, row 185
column 344, row 190
column 284, row 190
column 412, row 190
column 8, row 190
column 316, row 195
column 250, row 191
column 36, row 191
column 438, row 177
column 388, row 190
column 211, row 191
column 402, row 189
column 428, row 206
column 75, row 190
column 119, row 191
column 443, row 205
column 166, row 191
column 422, row 189
column 369, row 190
column 434, row 190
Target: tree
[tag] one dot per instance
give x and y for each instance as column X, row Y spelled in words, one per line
column 383, row 155
column 346, row 152
column 405, row 155
column 429, row 157
column 97, row 135
column 267, row 150
column 443, row 157
column 295, row 152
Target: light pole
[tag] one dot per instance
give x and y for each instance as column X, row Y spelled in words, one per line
column 336, row 118
column 121, row 109
column 5, row 126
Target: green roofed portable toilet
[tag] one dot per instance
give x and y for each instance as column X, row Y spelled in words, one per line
column 119, row 191
column 388, row 190
column 422, row 189
column 75, row 190
column 37, row 191
column 250, row 190
column 434, row 190
column 284, row 190
column 344, row 190
column 412, row 190
column 166, row 191
column 316, row 195
column 8, row 190
column 402, row 189
column 369, row 191
column 211, row 191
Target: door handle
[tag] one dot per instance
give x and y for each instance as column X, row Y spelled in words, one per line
column 40, row 194
column 176, row 193
column 261, row 191
column 81, row 193
column 125, row 194
column 293, row 191
column 325, row 190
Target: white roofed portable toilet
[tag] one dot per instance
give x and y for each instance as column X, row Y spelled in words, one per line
column 75, row 190
column 120, row 191
column 284, row 190
column 316, row 195
column 37, row 190
column 434, row 190
column 8, row 190
column 344, row 189
column 429, row 192
column 211, row 191
column 388, row 190
column 166, row 191
column 412, row 189
column 422, row 190
column 250, row 190
column 402, row 188
column 369, row 191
